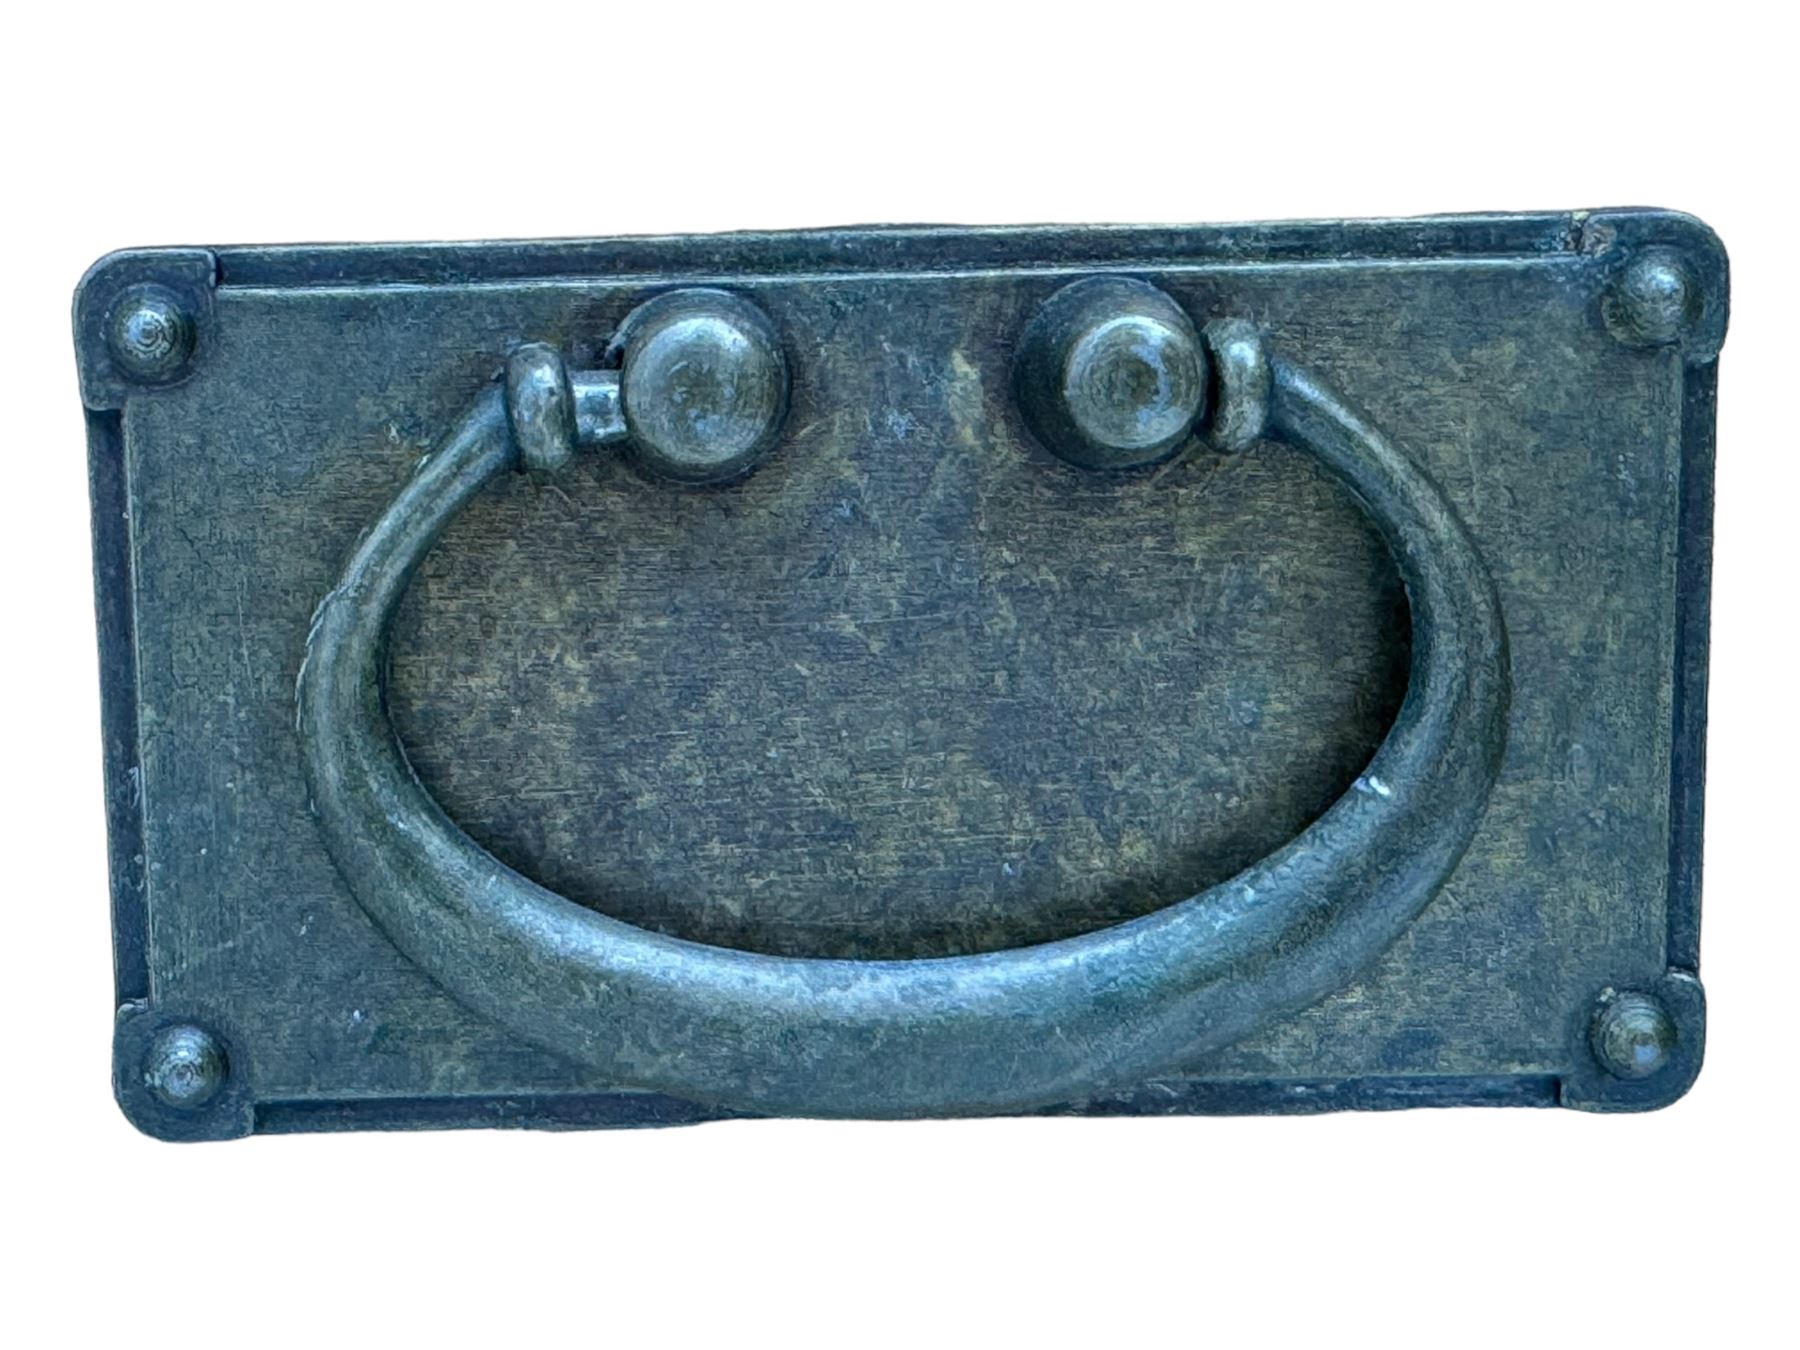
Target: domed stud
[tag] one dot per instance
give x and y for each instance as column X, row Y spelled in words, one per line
column 703, row 385
column 1633, row 1036
column 149, row 335
column 184, row 1067
column 1111, row 374
column 1653, row 302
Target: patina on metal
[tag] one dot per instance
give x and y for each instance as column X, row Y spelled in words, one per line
column 917, row 672
column 1031, row 1026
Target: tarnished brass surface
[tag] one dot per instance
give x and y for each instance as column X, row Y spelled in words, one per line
column 916, row 686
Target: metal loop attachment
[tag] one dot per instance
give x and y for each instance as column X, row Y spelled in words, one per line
column 1244, row 381
column 696, row 388
column 1031, row 1026
column 540, row 407
column 1112, row 374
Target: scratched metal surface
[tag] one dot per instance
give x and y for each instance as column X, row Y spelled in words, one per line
column 914, row 687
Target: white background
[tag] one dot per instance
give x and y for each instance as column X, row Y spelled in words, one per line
column 198, row 124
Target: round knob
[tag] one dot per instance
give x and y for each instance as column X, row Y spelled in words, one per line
column 703, row 385
column 1111, row 374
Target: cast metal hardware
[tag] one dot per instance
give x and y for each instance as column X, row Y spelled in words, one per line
column 1119, row 369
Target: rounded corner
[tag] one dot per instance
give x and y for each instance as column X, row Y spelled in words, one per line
column 1613, row 237
column 189, row 276
column 1589, row 1086
column 150, row 1124
column 1674, row 228
column 230, row 1114
column 98, row 277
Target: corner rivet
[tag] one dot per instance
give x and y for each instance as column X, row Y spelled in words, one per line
column 1633, row 1035
column 1653, row 302
column 185, row 1067
column 150, row 336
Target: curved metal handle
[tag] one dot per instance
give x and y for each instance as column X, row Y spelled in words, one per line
column 1030, row 1026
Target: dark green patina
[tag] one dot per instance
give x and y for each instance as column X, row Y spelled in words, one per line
column 910, row 691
